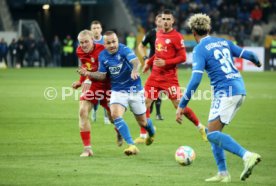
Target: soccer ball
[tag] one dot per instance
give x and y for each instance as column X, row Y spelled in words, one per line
column 185, row 155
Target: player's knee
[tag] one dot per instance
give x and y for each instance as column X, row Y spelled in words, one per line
column 83, row 113
column 114, row 116
column 213, row 136
column 143, row 123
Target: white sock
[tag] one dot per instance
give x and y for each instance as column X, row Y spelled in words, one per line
column 143, row 136
column 246, row 155
column 223, row 173
column 199, row 126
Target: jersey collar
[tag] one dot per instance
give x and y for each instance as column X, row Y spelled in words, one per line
column 204, row 38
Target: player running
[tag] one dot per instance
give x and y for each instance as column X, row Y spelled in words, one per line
column 122, row 66
column 93, row 91
column 169, row 52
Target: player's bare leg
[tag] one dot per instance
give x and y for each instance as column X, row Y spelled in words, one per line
column 85, row 127
column 188, row 113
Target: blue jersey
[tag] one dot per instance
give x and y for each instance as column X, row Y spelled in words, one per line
column 215, row 55
column 100, row 41
column 118, row 66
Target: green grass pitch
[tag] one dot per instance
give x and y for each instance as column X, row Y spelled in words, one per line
column 40, row 142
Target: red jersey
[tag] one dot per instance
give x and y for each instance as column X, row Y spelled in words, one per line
column 91, row 63
column 170, row 47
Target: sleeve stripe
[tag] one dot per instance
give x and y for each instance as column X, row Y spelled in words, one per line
column 197, row 71
column 241, row 53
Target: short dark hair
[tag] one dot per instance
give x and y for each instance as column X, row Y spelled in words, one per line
column 167, row 11
column 96, row 22
column 109, row 32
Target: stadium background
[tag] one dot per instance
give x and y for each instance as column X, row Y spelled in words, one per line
column 235, row 20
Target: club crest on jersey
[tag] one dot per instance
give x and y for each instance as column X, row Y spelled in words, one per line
column 115, row 69
column 118, row 57
column 92, row 60
column 167, row 41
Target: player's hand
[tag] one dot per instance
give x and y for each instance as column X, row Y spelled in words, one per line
column 134, row 74
column 86, row 85
column 76, row 85
column 179, row 114
column 159, row 62
column 82, row 71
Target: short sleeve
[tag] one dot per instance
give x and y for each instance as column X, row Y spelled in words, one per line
column 198, row 61
column 128, row 53
column 146, row 39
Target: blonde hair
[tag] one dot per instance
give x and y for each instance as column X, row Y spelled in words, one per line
column 85, row 32
column 200, row 23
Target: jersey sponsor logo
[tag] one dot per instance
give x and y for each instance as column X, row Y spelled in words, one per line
column 115, row 69
column 159, row 47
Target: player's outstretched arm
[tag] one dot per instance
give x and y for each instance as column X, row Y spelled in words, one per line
column 94, row 75
column 245, row 54
column 251, row 57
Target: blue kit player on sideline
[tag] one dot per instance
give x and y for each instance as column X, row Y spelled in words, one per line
column 215, row 55
column 121, row 65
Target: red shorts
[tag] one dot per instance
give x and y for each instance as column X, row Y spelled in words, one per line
column 154, row 89
column 97, row 94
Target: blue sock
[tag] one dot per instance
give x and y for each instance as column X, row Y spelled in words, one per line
column 149, row 127
column 219, row 156
column 123, row 130
column 226, row 142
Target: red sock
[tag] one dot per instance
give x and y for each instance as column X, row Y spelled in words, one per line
column 85, row 136
column 148, row 113
column 191, row 116
column 143, row 130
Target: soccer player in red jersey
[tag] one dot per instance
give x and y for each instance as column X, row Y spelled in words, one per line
column 169, row 52
column 93, row 91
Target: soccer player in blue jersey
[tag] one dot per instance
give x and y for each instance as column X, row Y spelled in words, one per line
column 121, row 65
column 96, row 29
column 215, row 55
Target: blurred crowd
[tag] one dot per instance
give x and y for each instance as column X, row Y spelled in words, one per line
column 32, row 52
column 242, row 19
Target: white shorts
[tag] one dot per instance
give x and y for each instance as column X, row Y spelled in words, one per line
column 225, row 108
column 136, row 101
